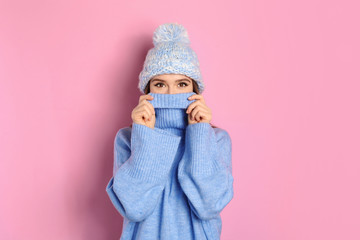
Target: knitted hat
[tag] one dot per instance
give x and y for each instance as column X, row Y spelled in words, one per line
column 171, row 54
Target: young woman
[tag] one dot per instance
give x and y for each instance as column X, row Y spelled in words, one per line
column 172, row 172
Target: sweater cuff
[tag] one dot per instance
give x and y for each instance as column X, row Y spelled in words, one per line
column 152, row 153
column 201, row 139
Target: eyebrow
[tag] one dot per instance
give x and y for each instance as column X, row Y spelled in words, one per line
column 156, row 79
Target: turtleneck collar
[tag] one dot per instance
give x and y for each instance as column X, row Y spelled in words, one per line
column 170, row 111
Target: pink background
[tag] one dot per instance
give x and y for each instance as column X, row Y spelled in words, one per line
column 282, row 77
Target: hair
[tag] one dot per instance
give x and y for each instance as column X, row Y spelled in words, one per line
column 195, row 87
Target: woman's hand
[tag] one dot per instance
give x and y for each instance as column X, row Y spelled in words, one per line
column 144, row 112
column 198, row 111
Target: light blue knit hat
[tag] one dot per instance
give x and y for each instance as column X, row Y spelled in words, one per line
column 171, row 54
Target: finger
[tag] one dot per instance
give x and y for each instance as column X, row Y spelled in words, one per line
column 198, row 110
column 144, row 102
column 147, row 109
column 205, row 112
column 199, row 116
column 193, row 112
column 204, row 116
column 145, row 97
column 150, row 106
column 143, row 114
column 193, row 105
column 197, row 97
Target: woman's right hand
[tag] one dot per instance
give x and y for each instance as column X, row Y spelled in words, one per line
column 144, row 112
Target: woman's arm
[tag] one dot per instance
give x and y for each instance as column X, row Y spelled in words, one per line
column 142, row 163
column 205, row 172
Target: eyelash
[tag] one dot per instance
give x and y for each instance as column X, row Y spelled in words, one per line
column 179, row 83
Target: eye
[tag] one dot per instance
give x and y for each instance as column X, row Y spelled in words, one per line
column 158, row 84
column 184, row 83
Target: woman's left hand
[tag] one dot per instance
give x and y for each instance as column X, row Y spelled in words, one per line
column 198, row 111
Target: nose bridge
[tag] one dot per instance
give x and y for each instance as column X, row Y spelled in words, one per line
column 171, row 89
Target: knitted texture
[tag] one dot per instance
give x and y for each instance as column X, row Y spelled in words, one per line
column 171, row 182
column 170, row 111
column 171, row 54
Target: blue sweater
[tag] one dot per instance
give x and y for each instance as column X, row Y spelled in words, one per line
column 171, row 182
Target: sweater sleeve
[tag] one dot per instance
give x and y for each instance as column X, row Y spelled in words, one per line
column 205, row 171
column 140, row 170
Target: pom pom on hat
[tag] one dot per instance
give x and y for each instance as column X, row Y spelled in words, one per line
column 171, row 54
column 170, row 32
